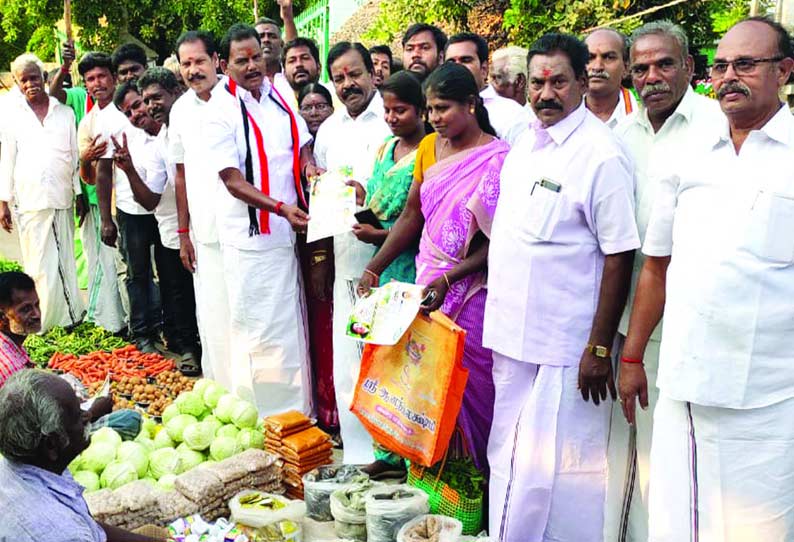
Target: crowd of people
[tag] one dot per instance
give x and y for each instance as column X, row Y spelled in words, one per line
column 551, row 212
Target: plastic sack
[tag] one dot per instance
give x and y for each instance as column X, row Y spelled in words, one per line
column 390, row 507
column 349, row 511
column 430, row 528
column 408, row 395
column 257, row 509
column 321, row 482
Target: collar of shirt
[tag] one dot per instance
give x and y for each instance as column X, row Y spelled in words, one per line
column 374, row 108
column 779, row 128
column 488, row 92
column 563, row 129
column 685, row 109
column 246, row 95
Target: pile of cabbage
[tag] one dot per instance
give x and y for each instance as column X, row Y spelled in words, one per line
column 201, row 426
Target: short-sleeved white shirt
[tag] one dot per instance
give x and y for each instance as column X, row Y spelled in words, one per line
column 655, row 155
column 627, row 106
column 547, row 250
column 112, row 122
column 159, row 178
column 225, row 137
column 727, row 220
column 507, row 117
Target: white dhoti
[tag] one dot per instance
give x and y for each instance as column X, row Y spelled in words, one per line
column 720, row 474
column 105, row 308
column 47, row 241
column 629, row 453
column 270, row 356
column 350, row 258
column 547, row 453
column 212, row 313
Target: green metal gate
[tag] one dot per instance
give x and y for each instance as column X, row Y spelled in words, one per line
column 314, row 22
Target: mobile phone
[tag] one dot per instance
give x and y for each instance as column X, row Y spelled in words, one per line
column 368, row 217
column 550, row 185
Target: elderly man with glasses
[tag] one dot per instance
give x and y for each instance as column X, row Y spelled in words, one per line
column 720, row 267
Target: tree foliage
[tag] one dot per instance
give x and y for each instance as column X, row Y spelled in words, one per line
column 395, row 16
column 104, row 24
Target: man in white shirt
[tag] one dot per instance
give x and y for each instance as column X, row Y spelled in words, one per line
column 197, row 188
column 259, row 147
column 606, row 97
column 37, row 178
column 144, row 160
column 508, row 75
column 302, row 66
column 136, row 232
column 559, row 269
column 507, row 117
column 720, row 266
column 350, row 138
column 675, row 119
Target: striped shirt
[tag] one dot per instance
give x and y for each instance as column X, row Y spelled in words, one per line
column 13, row 358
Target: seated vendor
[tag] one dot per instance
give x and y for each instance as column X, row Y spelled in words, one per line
column 42, row 429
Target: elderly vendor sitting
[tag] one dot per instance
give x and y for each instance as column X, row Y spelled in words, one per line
column 42, row 429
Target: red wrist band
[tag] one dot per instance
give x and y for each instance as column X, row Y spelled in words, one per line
column 625, row 359
column 279, row 205
column 64, row 70
column 183, row 230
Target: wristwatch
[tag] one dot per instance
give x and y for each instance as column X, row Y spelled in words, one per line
column 598, row 350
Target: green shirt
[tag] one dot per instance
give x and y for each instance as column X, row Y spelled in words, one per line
column 76, row 98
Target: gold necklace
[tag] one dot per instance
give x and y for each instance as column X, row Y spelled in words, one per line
column 446, row 142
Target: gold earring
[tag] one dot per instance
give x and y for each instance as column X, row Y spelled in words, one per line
column 471, row 110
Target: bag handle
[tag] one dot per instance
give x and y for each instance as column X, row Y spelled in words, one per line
column 466, row 450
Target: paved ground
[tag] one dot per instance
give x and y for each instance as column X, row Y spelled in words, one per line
column 9, row 246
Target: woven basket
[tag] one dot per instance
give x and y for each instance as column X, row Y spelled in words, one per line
column 447, row 501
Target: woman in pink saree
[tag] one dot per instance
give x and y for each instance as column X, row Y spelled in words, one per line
column 450, row 208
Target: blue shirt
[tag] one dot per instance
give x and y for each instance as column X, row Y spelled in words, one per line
column 40, row 505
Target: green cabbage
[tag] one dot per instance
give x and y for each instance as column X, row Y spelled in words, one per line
column 164, row 461
column 97, row 456
column 250, row 438
column 162, row 440
column 223, row 410
column 106, row 434
column 170, row 412
column 189, row 458
column 76, row 464
column 202, row 384
column 148, row 428
column 147, row 443
column 212, row 393
column 118, row 473
column 223, row 448
column 244, row 414
column 88, row 479
column 227, row 431
column 198, row 436
column 135, row 453
column 190, row 402
column 177, row 425
column 166, row 482
column 214, row 422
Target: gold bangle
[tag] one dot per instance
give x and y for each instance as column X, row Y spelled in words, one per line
column 319, row 258
column 373, row 274
column 446, row 279
column 319, row 252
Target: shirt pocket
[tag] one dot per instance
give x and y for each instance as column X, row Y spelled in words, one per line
column 543, row 212
column 771, row 227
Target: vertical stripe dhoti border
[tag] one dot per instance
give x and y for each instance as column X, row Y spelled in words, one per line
column 105, row 308
column 721, row 474
column 547, row 452
column 47, row 242
column 212, row 313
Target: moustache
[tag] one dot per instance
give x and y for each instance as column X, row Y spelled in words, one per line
column 417, row 63
column 346, row 93
column 301, row 71
column 734, row 86
column 196, row 77
column 654, row 88
column 598, row 74
column 548, row 104
column 253, row 75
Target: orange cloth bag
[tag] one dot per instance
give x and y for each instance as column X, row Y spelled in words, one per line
column 408, row 395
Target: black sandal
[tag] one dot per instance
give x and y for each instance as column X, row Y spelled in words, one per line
column 188, row 366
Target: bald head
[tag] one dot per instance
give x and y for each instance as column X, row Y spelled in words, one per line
column 607, row 64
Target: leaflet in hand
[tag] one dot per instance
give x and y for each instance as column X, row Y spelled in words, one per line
column 332, row 205
column 384, row 316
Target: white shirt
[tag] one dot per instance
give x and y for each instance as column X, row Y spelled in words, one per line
column 507, row 117
column 39, row 158
column 655, row 154
column 112, row 122
column 727, row 220
column 343, row 141
column 547, row 250
column 158, row 177
column 623, row 109
column 189, row 147
column 225, row 137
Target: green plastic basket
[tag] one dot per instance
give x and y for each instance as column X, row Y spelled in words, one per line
column 447, row 501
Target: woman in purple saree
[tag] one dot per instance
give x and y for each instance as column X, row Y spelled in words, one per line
column 450, row 208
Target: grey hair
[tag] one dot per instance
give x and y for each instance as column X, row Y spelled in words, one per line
column 515, row 61
column 24, row 60
column 663, row 28
column 28, row 415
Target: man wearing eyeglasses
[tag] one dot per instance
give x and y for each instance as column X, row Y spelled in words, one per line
column 720, row 267
column 673, row 119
